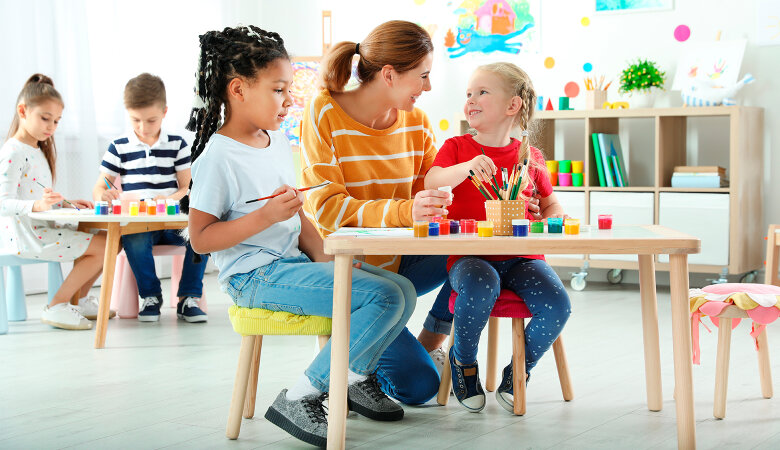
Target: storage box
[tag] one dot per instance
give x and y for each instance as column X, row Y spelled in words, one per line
column 502, row 212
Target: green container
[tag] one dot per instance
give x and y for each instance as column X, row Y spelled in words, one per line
column 576, row 179
column 564, row 166
column 537, row 227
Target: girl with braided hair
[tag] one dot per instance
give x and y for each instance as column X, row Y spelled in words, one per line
column 499, row 99
column 265, row 249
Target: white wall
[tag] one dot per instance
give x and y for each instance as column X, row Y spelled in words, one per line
column 609, row 42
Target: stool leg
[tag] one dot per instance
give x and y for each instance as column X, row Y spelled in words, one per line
column 563, row 369
column 445, row 384
column 239, row 388
column 764, row 369
column 722, row 367
column 14, row 295
column 322, row 340
column 176, row 267
column 492, row 356
column 518, row 364
column 3, row 307
column 251, row 389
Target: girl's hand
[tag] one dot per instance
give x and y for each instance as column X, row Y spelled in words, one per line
column 483, row 167
column 533, row 207
column 283, row 206
column 48, row 199
column 109, row 195
column 429, row 204
column 81, row 204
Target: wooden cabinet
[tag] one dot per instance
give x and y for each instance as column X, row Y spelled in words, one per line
column 728, row 220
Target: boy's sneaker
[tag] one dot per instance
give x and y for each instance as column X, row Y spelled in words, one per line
column 439, row 357
column 150, row 309
column 367, row 399
column 304, row 418
column 505, row 391
column 66, row 316
column 89, row 308
column 466, row 384
column 188, row 309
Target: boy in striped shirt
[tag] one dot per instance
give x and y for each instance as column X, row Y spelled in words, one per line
column 151, row 164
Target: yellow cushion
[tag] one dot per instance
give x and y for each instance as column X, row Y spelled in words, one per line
column 257, row 321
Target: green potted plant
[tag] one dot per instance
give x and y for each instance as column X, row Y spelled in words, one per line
column 639, row 79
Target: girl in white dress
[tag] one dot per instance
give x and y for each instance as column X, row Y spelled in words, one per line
column 27, row 162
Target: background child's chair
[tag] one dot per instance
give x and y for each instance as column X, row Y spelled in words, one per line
column 732, row 302
column 12, row 304
column 124, row 294
column 508, row 304
column 253, row 324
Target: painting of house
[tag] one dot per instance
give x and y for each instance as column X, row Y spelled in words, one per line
column 496, row 17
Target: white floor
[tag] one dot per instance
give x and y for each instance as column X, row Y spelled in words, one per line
column 168, row 384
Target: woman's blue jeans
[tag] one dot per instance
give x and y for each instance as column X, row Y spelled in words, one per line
column 382, row 303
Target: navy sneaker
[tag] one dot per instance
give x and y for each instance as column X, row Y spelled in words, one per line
column 466, row 384
column 150, row 309
column 189, row 310
column 505, row 391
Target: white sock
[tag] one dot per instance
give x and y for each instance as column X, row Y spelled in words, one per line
column 302, row 388
column 353, row 377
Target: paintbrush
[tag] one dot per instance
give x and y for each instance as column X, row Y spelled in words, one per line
column 299, row 190
column 71, row 204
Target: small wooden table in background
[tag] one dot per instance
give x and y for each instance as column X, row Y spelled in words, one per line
column 117, row 226
column 644, row 241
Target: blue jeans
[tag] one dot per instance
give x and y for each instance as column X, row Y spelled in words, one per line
column 406, row 371
column 138, row 248
column 478, row 283
column 382, row 303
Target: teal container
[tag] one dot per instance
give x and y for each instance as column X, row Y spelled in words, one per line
column 555, row 225
column 564, row 166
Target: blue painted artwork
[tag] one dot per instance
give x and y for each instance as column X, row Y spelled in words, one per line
column 487, row 26
column 632, row 5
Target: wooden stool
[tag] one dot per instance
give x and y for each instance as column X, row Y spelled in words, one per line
column 508, row 304
column 733, row 302
column 253, row 324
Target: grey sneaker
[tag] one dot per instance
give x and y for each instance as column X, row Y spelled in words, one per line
column 438, row 356
column 367, row 399
column 304, row 418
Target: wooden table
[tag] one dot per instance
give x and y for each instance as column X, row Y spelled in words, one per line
column 117, row 226
column 644, row 241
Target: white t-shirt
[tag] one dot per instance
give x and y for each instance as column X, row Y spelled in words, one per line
column 225, row 176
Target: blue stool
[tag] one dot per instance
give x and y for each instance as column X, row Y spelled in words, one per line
column 12, row 295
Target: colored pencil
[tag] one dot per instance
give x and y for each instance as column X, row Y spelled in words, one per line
column 299, row 190
column 71, row 204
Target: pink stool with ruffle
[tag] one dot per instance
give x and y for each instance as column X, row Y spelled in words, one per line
column 124, row 295
column 510, row 305
column 734, row 302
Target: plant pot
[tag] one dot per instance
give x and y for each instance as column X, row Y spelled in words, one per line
column 642, row 99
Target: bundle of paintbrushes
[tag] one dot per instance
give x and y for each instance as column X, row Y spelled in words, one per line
column 502, row 204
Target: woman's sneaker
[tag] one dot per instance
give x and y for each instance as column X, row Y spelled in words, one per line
column 188, row 309
column 367, row 399
column 89, row 308
column 466, row 384
column 304, row 418
column 150, row 309
column 505, row 391
column 66, row 316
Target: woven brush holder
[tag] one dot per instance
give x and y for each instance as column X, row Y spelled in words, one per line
column 501, row 213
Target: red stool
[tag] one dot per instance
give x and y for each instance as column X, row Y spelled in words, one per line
column 510, row 305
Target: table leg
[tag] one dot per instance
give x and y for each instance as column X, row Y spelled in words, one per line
column 683, row 370
column 650, row 332
column 339, row 352
column 109, row 261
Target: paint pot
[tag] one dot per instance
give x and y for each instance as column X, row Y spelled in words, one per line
column 433, row 229
column 571, row 226
column 555, row 225
column 420, row 229
column 520, row 227
column 117, row 207
column 485, row 228
column 444, row 227
column 605, row 221
column 537, row 226
column 133, row 208
column 468, row 226
column 454, row 227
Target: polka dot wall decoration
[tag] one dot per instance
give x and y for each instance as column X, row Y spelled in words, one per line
column 585, row 21
column 587, row 67
column 682, row 33
column 549, row 62
column 444, row 125
column 572, row 89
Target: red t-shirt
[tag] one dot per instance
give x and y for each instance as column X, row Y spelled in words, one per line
column 467, row 202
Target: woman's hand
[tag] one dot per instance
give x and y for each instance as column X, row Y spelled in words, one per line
column 429, row 204
column 48, row 199
column 483, row 167
column 81, row 204
column 283, row 206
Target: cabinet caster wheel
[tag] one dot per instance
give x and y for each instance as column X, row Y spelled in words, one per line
column 615, row 276
column 749, row 277
column 578, row 283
